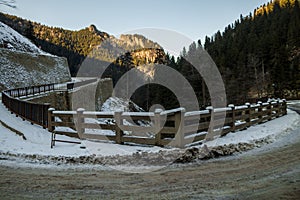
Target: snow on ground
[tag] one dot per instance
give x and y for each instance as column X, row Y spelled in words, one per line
column 119, row 104
column 38, row 139
column 16, row 41
column 269, row 129
column 23, row 64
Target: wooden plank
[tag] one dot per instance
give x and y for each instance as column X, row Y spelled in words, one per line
column 255, row 115
column 63, row 115
column 69, row 134
column 222, row 122
column 98, row 116
column 241, row 117
column 98, row 137
column 138, row 140
column 136, row 118
column 198, row 127
column 167, row 135
column 63, row 124
column 67, row 141
column 196, row 117
column 225, row 131
column 199, row 138
column 99, row 126
column 254, row 121
column 168, row 130
column 134, row 128
column 241, row 126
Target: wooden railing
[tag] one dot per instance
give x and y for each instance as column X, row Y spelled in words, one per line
column 34, row 112
column 71, row 86
column 173, row 127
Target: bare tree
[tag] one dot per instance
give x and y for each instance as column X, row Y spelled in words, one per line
column 9, row 3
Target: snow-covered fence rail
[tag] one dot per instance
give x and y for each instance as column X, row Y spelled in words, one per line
column 71, row 86
column 84, row 124
column 34, row 112
column 172, row 127
column 230, row 119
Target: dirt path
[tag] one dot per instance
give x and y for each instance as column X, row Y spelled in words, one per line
column 271, row 174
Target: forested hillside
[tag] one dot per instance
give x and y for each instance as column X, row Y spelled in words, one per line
column 259, row 55
column 77, row 45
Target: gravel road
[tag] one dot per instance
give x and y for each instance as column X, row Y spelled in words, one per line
column 271, row 172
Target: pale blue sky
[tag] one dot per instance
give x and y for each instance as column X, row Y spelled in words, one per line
column 192, row 18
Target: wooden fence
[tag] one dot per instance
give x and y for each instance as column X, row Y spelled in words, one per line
column 71, row 86
column 33, row 112
column 162, row 128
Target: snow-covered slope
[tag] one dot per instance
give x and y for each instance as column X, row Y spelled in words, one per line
column 12, row 40
column 23, row 64
column 118, row 104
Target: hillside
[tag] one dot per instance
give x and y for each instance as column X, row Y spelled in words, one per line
column 9, row 39
column 23, row 64
column 259, row 55
column 77, row 45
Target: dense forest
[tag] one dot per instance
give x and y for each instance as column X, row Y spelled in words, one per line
column 258, row 55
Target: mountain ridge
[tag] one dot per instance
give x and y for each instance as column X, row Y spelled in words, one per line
column 77, row 45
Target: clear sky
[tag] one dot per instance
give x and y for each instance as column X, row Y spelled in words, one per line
column 193, row 18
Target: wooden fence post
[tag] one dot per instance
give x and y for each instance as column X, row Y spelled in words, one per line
column 119, row 123
column 45, row 108
column 210, row 132
column 158, row 126
column 179, row 128
column 80, row 121
column 233, row 117
column 284, row 107
column 248, row 113
column 50, row 119
column 259, row 110
column 269, row 108
column 277, row 108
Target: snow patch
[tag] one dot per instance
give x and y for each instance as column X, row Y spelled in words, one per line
column 11, row 39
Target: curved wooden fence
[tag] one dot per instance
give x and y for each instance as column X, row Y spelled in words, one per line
column 34, row 112
column 162, row 128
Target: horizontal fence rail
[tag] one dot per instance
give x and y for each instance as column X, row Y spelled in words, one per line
column 162, row 128
column 34, row 112
column 71, row 86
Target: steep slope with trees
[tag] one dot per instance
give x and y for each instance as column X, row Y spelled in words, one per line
column 77, row 45
column 259, row 55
